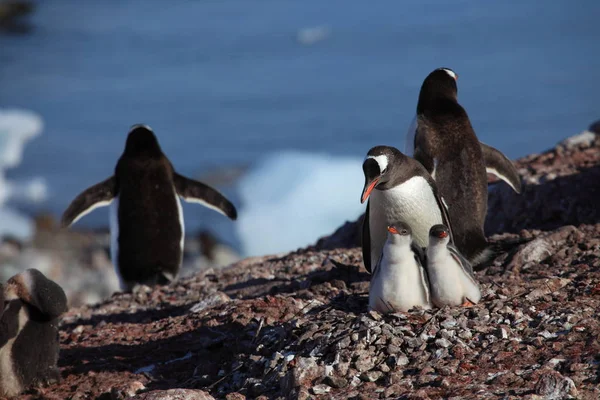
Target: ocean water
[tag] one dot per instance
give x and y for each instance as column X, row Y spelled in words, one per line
column 235, row 84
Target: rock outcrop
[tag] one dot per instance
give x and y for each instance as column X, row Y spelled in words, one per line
column 297, row 326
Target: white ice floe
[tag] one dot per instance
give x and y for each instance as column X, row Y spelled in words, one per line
column 292, row 198
column 17, row 127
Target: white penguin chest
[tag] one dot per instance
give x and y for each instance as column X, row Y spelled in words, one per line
column 412, row 202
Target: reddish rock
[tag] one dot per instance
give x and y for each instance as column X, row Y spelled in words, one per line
column 297, row 326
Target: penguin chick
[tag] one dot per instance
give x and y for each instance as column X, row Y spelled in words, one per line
column 451, row 276
column 399, row 280
column 29, row 332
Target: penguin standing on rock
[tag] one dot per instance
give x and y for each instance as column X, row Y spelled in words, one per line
column 399, row 280
column 146, row 219
column 399, row 189
column 30, row 307
column 446, row 144
column 451, row 276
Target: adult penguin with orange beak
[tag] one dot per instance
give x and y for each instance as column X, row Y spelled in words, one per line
column 399, row 189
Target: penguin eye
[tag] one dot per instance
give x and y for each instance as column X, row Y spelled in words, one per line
column 404, row 232
column 384, row 171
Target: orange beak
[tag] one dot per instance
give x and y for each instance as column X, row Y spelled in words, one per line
column 393, row 230
column 443, row 234
column 368, row 189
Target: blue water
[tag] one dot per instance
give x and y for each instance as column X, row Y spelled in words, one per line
column 226, row 83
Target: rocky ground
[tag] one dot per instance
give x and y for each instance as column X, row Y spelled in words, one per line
column 297, row 326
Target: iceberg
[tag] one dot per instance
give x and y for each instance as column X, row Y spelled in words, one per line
column 292, row 198
column 17, row 127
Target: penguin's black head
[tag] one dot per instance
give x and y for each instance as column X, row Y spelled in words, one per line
column 32, row 287
column 142, row 141
column 377, row 167
column 440, row 232
column 399, row 228
column 441, row 83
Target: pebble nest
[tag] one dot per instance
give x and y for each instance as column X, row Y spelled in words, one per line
column 297, row 326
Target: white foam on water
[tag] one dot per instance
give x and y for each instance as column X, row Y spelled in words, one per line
column 314, row 34
column 17, row 127
column 290, row 199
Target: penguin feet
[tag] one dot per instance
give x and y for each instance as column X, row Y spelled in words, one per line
column 467, row 303
column 50, row 377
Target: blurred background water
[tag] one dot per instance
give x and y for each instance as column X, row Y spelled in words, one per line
column 276, row 102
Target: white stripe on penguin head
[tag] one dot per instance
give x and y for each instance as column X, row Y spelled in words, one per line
column 382, row 162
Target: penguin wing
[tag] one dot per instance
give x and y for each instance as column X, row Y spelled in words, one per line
column 409, row 138
column 463, row 262
column 197, row 192
column 422, row 136
column 99, row 195
column 376, row 269
column 420, row 258
column 498, row 164
column 445, row 215
column 366, row 240
column 418, row 252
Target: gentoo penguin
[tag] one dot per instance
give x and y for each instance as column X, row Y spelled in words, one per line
column 29, row 346
column 399, row 280
column 400, row 190
column 446, row 144
column 451, row 276
column 146, row 219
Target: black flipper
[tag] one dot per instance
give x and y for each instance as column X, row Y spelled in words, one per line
column 445, row 216
column 499, row 165
column 366, row 240
column 197, row 192
column 463, row 262
column 99, row 195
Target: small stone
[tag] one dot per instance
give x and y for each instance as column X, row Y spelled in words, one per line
column 401, row 360
column 465, row 335
column 355, row 381
column 553, row 385
column 345, row 342
column 364, row 362
column 383, row 367
column 445, row 343
column 392, row 349
column 336, row 381
column 179, row 394
column 321, row 389
column 235, row 396
column 449, row 323
column 414, row 342
column 371, row 376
